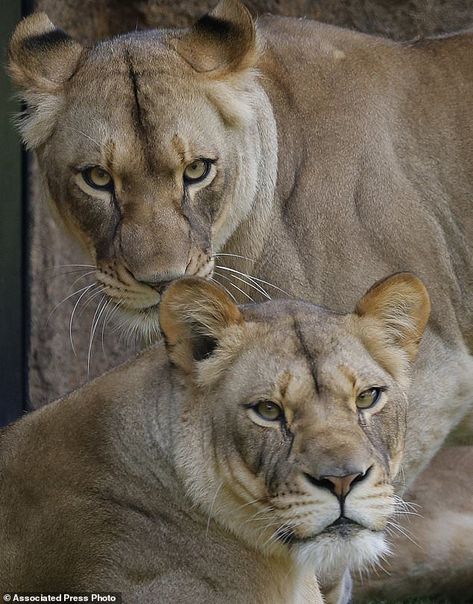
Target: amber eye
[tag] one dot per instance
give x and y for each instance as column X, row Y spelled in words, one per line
column 268, row 411
column 368, row 398
column 197, row 171
column 98, row 178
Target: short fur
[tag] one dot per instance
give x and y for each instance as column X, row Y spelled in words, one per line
column 339, row 158
column 161, row 481
column 437, row 558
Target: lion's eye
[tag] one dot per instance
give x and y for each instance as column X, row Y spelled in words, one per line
column 269, row 411
column 197, row 171
column 368, row 398
column 98, row 178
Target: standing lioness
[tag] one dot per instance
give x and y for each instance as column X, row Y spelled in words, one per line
column 263, row 444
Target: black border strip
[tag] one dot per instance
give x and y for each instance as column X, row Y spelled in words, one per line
column 14, row 315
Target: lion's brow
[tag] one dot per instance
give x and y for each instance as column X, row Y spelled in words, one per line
column 306, row 352
column 139, row 114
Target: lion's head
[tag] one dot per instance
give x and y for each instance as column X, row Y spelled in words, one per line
column 147, row 143
column 292, row 435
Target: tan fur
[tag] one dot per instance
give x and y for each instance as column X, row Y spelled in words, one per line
column 437, row 558
column 340, row 158
column 161, row 481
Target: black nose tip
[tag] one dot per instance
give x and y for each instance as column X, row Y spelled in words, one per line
column 339, row 485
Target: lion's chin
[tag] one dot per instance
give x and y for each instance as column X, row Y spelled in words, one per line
column 336, row 550
column 142, row 323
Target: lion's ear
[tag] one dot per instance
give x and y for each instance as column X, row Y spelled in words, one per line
column 41, row 56
column 41, row 59
column 395, row 312
column 193, row 314
column 221, row 43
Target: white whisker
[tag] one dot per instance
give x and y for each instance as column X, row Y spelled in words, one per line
column 235, row 286
column 212, row 507
column 107, row 318
column 248, row 281
column 95, row 321
column 71, row 266
column 402, row 531
column 107, row 305
column 253, row 278
column 235, row 256
column 225, row 289
column 71, row 339
column 65, row 300
column 91, row 297
column 81, row 277
column 85, row 135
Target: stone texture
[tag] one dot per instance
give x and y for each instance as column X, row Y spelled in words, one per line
column 54, row 369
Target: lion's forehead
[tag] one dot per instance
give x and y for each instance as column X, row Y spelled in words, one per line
column 329, row 364
column 146, row 53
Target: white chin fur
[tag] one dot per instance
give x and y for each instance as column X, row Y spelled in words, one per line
column 329, row 554
column 141, row 324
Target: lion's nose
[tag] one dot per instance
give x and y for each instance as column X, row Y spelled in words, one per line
column 339, row 485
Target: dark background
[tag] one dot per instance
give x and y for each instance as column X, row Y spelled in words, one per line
column 37, row 363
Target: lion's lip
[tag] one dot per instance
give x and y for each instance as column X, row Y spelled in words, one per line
column 343, row 521
column 161, row 286
column 343, row 526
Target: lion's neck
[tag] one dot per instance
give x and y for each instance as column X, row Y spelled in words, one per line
column 356, row 180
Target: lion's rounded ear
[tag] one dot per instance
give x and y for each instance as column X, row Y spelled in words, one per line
column 221, row 43
column 193, row 314
column 396, row 311
column 41, row 56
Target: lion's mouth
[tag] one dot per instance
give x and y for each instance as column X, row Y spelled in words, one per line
column 342, row 527
column 138, row 297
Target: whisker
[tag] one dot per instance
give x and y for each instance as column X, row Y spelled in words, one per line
column 81, row 277
column 234, row 256
column 71, row 266
column 248, row 277
column 95, row 322
column 71, row 339
column 58, row 274
column 253, row 278
column 402, row 531
column 252, row 502
column 276, row 534
column 86, row 135
column 107, row 305
column 91, row 297
column 226, row 289
column 252, row 284
column 212, row 507
column 235, row 286
column 408, row 504
column 107, row 318
column 65, row 300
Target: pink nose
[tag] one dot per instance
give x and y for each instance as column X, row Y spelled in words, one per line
column 341, row 485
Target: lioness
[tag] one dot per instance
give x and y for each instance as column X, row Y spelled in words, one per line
column 259, row 444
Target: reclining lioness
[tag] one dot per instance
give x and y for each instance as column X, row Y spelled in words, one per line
column 256, row 446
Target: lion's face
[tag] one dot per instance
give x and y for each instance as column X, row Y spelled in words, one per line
column 300, row 461
column 146, row 143
column 296, row 418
